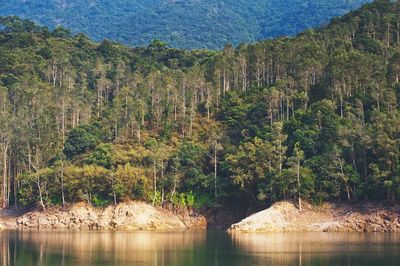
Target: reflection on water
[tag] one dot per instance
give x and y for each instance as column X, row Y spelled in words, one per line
column 322, row 248
column 196, row 248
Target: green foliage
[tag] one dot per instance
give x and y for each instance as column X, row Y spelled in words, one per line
column 191, row 160
column 313, row 117
column 129, row 182
column 45, row 180
column 368, row 44
column 101, row 202
column 27, row 193
column 15, row 24
column 101, row 156
column 184, row 199
column 184, row 24
column 203, row 200
column 82, row 139
column 87, row 183
column 190, row 199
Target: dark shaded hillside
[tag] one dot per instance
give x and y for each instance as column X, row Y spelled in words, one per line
column 185, row 24
column 313, row 117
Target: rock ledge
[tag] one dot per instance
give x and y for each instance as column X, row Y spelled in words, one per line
column 285, row 217
column 124, row 216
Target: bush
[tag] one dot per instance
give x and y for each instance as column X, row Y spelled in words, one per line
column 100, row 202
column 101, row 156
column 203, row 200
column 82, row 139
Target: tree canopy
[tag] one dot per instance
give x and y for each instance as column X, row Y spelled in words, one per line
column 313, row 117
column 181, row 23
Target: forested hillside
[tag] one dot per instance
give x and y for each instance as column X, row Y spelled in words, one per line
column 313, row 117
column 181, row 23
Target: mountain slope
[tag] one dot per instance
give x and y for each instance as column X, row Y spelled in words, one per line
column 315, row 117
column 181, row 23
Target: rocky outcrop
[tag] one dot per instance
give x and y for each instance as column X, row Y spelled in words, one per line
column 124, row 216
column 192, row 219
column 280, row 217
column 285, row 217
column 368, row 220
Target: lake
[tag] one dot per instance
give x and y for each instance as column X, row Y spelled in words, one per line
column 197, row 248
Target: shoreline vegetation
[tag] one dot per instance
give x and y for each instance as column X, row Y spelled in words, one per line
column 314, row 118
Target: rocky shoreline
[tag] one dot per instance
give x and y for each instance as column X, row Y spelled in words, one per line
column 286, row 217
column 131, row 216
column 280, row 217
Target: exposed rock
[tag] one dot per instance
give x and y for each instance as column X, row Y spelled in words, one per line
column 373, row 220
column 124, row 216
column 192, row 219
column 285, row 217
column 281, row 217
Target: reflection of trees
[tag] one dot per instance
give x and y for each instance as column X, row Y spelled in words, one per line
column 196, row 248
column 86, row 248
column 318, row 248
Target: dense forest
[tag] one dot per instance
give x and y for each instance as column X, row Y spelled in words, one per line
column 315, row 117
column 181, row 23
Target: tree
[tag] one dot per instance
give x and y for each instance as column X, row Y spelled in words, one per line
column 5, row 139
column 249, row 166
column 89, row 182
column 129, row 181
column 101, row 156
column 82, row 139
column 313, row 117
column 303, row 176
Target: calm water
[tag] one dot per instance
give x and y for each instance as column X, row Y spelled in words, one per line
column 196, row 248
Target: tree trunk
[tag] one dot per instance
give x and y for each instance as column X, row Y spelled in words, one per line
column 40, row 193
column 298, row 184
column 62, row 159
column 215, row 170
column 62, row 183
column 191, row 118
column 174, row 188
column 155, row 181
column 114, row 195
column 4, row 183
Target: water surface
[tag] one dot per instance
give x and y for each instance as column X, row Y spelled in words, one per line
column 196, row 248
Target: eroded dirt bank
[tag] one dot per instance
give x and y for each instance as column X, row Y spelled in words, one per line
column 285, row 217
column 124, row 216
column 281, row 217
